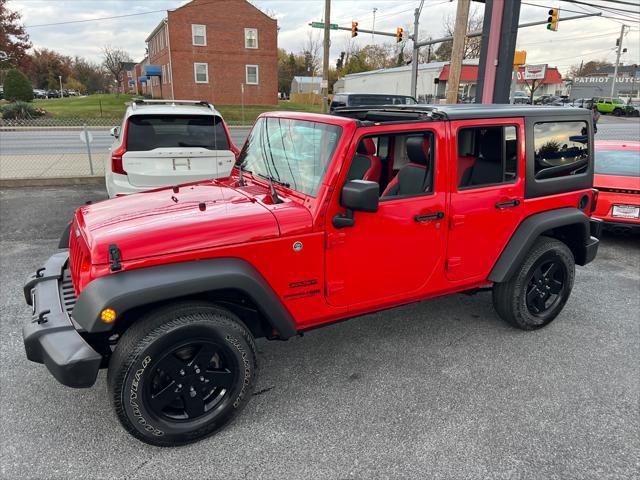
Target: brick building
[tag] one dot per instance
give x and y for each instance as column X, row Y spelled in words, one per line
column 126, row 74
column 212, row 50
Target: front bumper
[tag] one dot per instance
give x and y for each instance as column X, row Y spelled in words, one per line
column 51, row 337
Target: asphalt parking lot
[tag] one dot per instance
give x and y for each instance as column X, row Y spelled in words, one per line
column 438, row 389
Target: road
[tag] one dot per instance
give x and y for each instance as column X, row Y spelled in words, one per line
column 441, row 389
column 68, row 141
column 46, row 141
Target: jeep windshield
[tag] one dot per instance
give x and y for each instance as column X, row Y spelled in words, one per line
column 294, row 153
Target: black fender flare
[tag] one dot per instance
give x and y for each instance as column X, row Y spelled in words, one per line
column 128, row 289
column 528, row 232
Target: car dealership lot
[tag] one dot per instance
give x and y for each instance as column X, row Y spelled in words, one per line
column 438, row 389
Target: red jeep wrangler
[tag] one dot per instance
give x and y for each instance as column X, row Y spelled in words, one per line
column 324, row 218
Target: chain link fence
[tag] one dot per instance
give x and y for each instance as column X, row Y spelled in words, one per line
column 54, row 147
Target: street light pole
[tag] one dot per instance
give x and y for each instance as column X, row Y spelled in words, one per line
column 615, row 70
column 415, row 52
column 60, row 78
column 325, row 57
column 373, row 29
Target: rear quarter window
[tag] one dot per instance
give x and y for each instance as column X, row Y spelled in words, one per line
column 560, row 149
column 147, row 132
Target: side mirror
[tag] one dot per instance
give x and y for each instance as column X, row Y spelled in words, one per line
column 357, row 195
column 115, row 132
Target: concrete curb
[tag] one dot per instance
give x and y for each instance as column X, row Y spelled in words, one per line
column 51, row 182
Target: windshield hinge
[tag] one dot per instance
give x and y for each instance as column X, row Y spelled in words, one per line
column 115, row 257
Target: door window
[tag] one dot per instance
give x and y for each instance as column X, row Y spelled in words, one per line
column 487, row 156
column 401, row 163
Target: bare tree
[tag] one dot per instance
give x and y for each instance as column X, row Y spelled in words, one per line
column 311, row 52
column 113, row 61
column 471, row 45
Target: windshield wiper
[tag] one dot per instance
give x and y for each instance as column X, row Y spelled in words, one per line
column 272, row 188
column 275, row 180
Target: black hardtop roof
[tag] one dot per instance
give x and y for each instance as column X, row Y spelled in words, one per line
column 424, row 112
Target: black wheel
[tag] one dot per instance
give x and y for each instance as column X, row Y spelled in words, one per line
column 181, row 373
column 635, row 113
column 617, row 112
column 539, row 289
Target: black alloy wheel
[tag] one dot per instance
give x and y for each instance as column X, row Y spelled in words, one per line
column 537, row 291
column 182, row 372
column 190, row 381
column 545, row 287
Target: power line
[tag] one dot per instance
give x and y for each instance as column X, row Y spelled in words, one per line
column 578, row 2
column 564, row 39
column 93, row 19
column 622, row 2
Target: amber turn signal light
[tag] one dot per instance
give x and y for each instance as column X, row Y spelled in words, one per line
column 108, row 315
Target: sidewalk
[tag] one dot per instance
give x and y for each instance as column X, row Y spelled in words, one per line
column 51, row 165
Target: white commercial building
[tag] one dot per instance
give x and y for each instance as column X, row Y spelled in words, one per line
column 398, row 81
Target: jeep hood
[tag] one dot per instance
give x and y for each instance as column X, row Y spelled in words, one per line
column 157, row 222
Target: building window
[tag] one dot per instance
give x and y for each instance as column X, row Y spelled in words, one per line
column 164, row 74
column 199, row 35
column 129, row 74
column 201, row 71
column 250, row 38
column 252, row 76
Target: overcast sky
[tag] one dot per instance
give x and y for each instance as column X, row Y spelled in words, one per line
column 585, row 39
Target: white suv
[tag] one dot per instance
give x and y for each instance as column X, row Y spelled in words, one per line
column 168, row 142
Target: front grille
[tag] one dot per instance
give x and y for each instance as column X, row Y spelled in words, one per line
column 620, row 190
column 77, row 253
column 67, row 293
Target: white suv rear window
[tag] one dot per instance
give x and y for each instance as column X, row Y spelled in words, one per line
column 146, row 132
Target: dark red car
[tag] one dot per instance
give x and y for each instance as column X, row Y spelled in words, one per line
column 617, row 177
column 325, row 217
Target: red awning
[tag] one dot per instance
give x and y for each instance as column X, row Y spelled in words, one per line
column 469, row 73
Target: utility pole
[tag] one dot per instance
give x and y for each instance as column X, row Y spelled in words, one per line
column 457, row 50
column 615, row 70
column 325, row 57
column 416, row 50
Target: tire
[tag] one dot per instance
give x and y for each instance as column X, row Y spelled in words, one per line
column 617, row 112
column 535, row 295
column 161, row 389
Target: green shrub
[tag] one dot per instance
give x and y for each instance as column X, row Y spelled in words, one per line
column 21, row 111
column 17, row 87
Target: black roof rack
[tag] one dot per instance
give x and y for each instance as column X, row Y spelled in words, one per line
column 391, row 113
column 424, row 112
column 140, row 101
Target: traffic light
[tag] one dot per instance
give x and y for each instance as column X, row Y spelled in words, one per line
column 399, row 32
column 552, row 21
column 354, row 29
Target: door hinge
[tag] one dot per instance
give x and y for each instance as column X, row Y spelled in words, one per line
column 335, row 239
column 335, row 287
column 453, row 262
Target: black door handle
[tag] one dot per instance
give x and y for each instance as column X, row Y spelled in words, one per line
column 510, row 203
column 429, row 217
